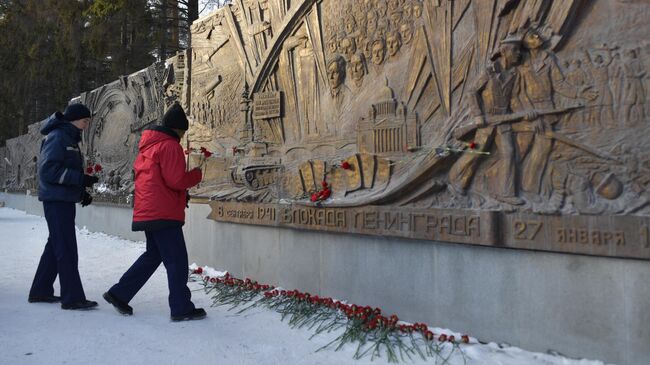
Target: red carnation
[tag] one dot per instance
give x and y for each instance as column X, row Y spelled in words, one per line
column 314, row 197
column 373, row 324
column 472, row 145
column 394, row 319
column 198, row 270
column 206, row 153
column 98, row 168
column 345, row 165
column 89, row 170
column 324, row 183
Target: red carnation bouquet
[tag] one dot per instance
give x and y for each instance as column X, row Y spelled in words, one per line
column 204, row 152
column 94, row 169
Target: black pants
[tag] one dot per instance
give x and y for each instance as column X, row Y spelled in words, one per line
column 60, row 255
column 166, row 246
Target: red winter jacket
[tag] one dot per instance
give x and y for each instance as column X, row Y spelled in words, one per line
column 161, row 181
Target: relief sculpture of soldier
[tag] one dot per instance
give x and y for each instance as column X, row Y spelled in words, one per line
column 602, row 112
column 634, row 95
column 577, row 77
column 492, row 96
column 540, row 79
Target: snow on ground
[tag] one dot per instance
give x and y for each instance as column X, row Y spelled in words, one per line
column 45, row 334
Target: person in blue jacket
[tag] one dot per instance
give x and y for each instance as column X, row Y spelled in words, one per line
column 62, row 183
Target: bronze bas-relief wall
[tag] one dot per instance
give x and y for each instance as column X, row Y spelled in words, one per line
column 20, row 161
column 507, row 123
column 496, row 122
column 121, row 110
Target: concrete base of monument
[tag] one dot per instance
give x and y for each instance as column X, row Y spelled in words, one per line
column 580, row 306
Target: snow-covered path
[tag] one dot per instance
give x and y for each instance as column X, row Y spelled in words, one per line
column 45, row 334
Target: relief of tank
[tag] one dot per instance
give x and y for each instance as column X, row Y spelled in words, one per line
column 256, row 173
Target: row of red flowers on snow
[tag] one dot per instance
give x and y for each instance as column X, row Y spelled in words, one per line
column 371, row 318
column 373, row 332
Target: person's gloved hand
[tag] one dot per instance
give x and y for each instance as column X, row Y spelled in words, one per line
column 187, row 199
column 86, row 199
column 90, row 180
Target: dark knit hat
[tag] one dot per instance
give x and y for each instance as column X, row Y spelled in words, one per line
column 75, row 112
column 175, row 118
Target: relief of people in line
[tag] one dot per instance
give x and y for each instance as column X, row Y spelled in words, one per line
column 618, row 75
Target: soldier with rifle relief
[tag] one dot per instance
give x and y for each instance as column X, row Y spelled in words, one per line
column 541, row 78
column 514, row 102
column 491, row 98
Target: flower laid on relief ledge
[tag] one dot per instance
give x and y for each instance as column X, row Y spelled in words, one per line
column 326, row 191
column 373, row 333
column 322, row 194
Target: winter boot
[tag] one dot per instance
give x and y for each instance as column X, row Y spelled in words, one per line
column 196, row 313
column 44, row 299
column 118, row 304
column 83, row 305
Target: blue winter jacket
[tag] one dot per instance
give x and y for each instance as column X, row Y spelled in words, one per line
column 60, row 167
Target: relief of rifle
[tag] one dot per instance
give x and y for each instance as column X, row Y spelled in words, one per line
column 559, row 137
column 495, row 120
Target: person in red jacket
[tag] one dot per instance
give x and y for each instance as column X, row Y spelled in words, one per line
column 161, row 183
